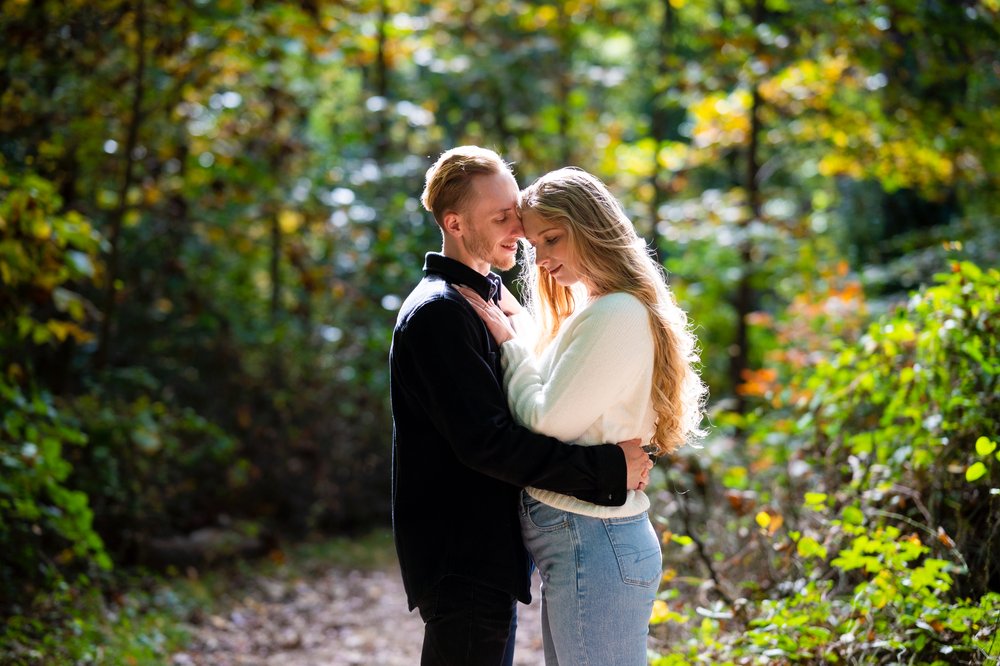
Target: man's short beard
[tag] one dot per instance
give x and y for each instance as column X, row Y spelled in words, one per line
column 509, row 262
column 475, row 246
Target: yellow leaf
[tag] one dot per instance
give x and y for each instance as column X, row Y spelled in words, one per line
column 289, row 221
column 545, row 15
column 660, row 610
column 777, row 520
column 662, row 613
column 60, row 329
column 41, row 229
column 763, row 519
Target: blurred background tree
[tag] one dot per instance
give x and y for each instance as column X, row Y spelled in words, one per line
column 210, row 215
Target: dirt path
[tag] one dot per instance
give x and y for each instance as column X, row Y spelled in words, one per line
column 338, row 618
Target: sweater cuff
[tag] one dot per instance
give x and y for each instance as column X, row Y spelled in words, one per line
column 512, row 354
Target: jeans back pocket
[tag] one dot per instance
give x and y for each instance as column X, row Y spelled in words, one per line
column 636, row 548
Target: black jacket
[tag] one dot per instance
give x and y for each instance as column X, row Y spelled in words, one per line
column 458, row 459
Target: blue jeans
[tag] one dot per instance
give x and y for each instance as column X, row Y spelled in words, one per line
column 599, row 580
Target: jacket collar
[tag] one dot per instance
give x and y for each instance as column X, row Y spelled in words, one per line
column 455, row 272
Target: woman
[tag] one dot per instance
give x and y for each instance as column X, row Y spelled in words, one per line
column 613, row 359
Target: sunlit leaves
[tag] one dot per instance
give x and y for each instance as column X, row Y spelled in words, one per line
column 721, row 119
column 769, row 521
column 975, row 471
column 979, row 469
column 815, row 500
column 663, row 613
column 985, row 446
column 44, row 257
column 807, row 84
column 809, row 547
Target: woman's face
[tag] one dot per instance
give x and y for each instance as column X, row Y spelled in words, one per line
column 553, row 253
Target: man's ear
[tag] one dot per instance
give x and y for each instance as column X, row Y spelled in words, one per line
column 453, row 223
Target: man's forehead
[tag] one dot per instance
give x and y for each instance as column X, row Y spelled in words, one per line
column 497, row 191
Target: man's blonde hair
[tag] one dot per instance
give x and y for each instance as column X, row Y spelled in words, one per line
column 449, row 180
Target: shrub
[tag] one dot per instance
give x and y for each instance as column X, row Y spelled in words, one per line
column 866, row 516
column 46, row 526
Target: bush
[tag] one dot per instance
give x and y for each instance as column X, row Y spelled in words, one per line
column 46, row 526
column 151, row 469
column 866, row 516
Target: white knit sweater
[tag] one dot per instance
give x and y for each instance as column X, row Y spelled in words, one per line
column 591, row 385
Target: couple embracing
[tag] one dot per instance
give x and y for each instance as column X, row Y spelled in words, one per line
column 520, row 436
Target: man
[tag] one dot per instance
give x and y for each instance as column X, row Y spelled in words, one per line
column 459, row 461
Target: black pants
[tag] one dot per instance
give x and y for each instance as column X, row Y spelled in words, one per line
column 467, row 624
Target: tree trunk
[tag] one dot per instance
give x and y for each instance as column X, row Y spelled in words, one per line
column 744, row 297
column 658, row 119
column 275, row 267
column 118, row 214
column 381, row 88
column 564, row 85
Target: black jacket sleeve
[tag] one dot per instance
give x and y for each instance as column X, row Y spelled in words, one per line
column 449, row 378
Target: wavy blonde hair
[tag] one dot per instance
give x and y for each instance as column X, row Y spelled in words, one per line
column 613, row 258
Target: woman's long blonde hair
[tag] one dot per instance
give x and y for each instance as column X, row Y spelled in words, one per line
column 613, row 258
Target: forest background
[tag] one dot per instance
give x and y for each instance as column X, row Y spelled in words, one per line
column 209, row 216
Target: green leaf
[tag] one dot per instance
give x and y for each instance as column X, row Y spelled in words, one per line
column 852, row 515
column 815, row 498
column 809, row 547
column 984, row 446
column 975, row 471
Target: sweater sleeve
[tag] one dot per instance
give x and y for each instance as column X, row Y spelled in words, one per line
column 597, row 361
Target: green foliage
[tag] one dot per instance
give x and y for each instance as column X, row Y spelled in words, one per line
column 46, row 525
column 920, row 388
column 904, row 605
column 876, row 471
column 148, row 463
column 78, row 624
column 209, row 216
column 44, row 253
column 917, row 396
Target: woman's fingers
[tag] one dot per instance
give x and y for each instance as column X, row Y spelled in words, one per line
column 482, row 309
column 471, row 296
column 477, row 301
